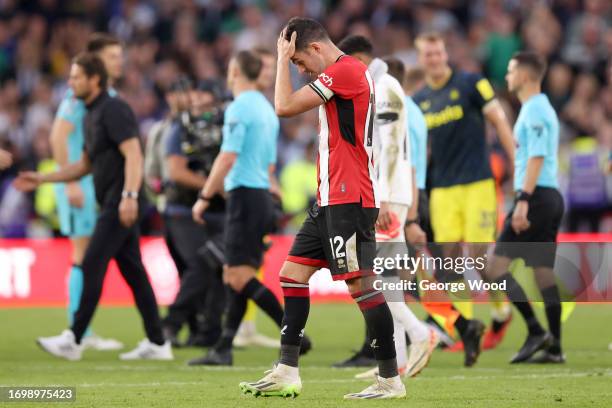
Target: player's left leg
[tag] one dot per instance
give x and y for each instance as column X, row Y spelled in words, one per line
column 379, row 322
column 390, row 244
column 480, row 230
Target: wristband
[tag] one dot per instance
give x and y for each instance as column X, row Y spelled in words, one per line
column 204, row 198
column 412, row 221
column 523, row 196
column 129, row 194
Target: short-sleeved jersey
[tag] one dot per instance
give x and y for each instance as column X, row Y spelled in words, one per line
column 417, row 129
column 345, row 166
column 536, row 133
column 250, row 129
column 456, row 126
column 108, row 123
column 73, row 111
column 391, row 141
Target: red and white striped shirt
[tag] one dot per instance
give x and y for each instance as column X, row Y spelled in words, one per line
column 345, row 165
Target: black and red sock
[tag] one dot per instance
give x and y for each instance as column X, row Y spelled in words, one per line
column 297, row 307
column 379, row 322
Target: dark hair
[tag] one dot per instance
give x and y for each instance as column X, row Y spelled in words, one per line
column 249, row 63
column 308, row 31
column 413, row 77
column 99, row 41
column 396, row 68
column 261, row 51
column 181, row 84
column 354, row 44
column 533, row 62
column 92, row 65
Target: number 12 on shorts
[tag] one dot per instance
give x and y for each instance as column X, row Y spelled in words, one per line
column 337, row 246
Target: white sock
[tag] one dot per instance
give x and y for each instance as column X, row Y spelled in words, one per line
column 399, row 337
column 246, row 328
column 288, row 371
column 417, row 331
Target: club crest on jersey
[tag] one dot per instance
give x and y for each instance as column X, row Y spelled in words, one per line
column 425, row 105
column 454, row 94
column 326, row 79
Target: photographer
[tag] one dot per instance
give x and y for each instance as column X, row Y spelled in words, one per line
column 192, row 145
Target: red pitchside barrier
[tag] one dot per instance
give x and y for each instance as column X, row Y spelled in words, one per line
column 33, row 272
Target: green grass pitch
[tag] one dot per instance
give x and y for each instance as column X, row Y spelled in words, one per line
column 101, row 380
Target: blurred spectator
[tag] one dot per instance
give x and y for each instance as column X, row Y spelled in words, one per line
column 558, row 85
column 167, row 39
column 298, row 182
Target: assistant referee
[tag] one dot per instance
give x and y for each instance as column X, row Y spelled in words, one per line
column 113, row 154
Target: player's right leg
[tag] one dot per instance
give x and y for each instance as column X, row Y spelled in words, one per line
column 284, row 379
column 306, row 256
column 446, row 211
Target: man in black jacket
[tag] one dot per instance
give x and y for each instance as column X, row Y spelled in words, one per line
column 113, row 154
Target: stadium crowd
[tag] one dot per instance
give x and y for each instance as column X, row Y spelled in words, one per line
column 167, row 39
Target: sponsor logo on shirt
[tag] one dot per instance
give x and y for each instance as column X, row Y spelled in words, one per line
column 326, row 79
column 447, row 115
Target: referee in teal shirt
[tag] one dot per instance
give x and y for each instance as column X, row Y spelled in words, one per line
column 243, row 169
column 530, row 230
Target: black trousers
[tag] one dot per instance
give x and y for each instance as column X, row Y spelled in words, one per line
column 181, row 267
column 201, row 281
column 110, row 240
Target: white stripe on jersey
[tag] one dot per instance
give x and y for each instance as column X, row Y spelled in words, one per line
column 323, row 157
column 370, row 149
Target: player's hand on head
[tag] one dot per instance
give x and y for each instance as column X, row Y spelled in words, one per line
column 128, row 211
column 75, row 194
column 27, row 181
column 520, row 222
column 286, row 48
column 198, row 209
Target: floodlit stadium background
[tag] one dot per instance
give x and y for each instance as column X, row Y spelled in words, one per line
column 165, row 39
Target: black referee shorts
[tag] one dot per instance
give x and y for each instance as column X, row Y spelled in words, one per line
column 537, row 245
column 249, row 217
column 340, row 237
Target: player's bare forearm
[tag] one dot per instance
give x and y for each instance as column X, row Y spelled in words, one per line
column 179, row 172
column 59, row 140
column 414, row 208
column 288, row 103
column 221, row 167
column 496, row 115
column 133, row 164
column 283, row 88
column 69, row 172
column 534, row 165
